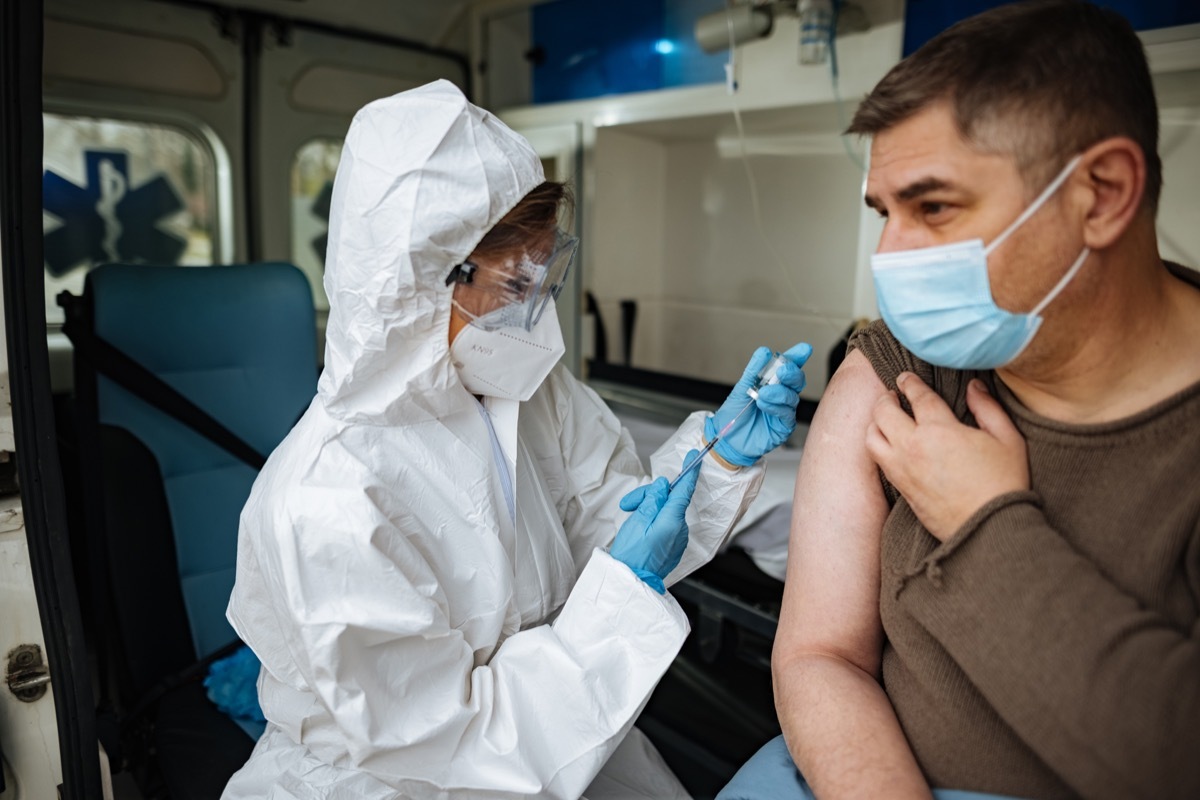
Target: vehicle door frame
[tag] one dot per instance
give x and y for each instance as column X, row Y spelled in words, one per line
column 39, row 473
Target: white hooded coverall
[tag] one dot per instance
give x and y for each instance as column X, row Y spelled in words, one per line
column 415, row 642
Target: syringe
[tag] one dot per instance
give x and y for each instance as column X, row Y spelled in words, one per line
column 711, row 443
column 766, row 376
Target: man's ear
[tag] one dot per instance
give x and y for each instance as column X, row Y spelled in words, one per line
column 1114, row 172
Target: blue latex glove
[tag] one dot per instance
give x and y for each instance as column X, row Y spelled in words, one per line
column 232, row 685
column 652, row 540
column 764, row 428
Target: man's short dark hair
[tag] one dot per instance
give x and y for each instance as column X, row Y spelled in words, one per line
column 1041, row 80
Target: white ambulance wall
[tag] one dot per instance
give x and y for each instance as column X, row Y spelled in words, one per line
column 1179, row 146
column 675, row 230
column 732, row 286
column 625, row 239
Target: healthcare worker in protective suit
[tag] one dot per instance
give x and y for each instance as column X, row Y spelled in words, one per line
column 437, row 568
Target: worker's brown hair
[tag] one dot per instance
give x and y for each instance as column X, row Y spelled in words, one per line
column 532, row 217
column 1039, row 80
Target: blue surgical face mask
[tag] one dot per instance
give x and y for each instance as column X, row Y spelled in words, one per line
column 938, row 302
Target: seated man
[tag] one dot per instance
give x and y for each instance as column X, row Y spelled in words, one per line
column 996, row 575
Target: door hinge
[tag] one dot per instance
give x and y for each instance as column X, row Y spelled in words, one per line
column 27, row 674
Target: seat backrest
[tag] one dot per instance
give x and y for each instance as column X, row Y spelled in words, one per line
column 239, row 342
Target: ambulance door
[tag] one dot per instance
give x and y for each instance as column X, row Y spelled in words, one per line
column 48, row 743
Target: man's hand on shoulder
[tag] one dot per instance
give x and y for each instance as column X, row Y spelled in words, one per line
column 946, row 470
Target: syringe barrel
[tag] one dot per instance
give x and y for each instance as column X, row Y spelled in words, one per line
column 767, row 375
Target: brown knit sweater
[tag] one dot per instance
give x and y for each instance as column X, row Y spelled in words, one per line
column 1051, row 647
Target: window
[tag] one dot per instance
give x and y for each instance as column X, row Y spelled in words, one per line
column 123, row 190
column 313, row 169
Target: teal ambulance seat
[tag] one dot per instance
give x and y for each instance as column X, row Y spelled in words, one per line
column 239, row 341
column 163, row 500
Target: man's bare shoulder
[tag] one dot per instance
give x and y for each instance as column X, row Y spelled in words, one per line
column 852, row 391
column 831, row 599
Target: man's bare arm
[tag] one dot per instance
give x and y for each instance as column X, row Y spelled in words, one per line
column 838, row 723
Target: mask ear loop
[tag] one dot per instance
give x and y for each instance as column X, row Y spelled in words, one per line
column 1036, row 204
column 470, row 315
column 1062, row 284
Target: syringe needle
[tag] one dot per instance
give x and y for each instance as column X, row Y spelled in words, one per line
column 712, row 442
column 733, row 421
column 692, row 464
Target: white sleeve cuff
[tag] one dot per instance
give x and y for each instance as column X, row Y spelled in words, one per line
column 612, row 609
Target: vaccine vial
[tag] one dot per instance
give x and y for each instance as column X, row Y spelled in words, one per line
column 767, row 375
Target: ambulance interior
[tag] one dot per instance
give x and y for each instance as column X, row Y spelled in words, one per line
column 718, row 204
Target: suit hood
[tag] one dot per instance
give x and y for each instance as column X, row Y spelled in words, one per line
column 423, row 176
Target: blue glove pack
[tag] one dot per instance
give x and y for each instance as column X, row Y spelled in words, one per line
column 652, row 540
column 232, row 685
column 768, row 425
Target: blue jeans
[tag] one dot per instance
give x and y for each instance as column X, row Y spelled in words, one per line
column 770, row 774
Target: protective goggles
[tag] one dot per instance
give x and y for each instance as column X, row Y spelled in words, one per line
column 522, row 288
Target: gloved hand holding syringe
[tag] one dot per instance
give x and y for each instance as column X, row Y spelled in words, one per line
column 777, row 407
column 652, row 540
column 695, row 462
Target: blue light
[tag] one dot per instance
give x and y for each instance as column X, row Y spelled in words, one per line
column 664, row 46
